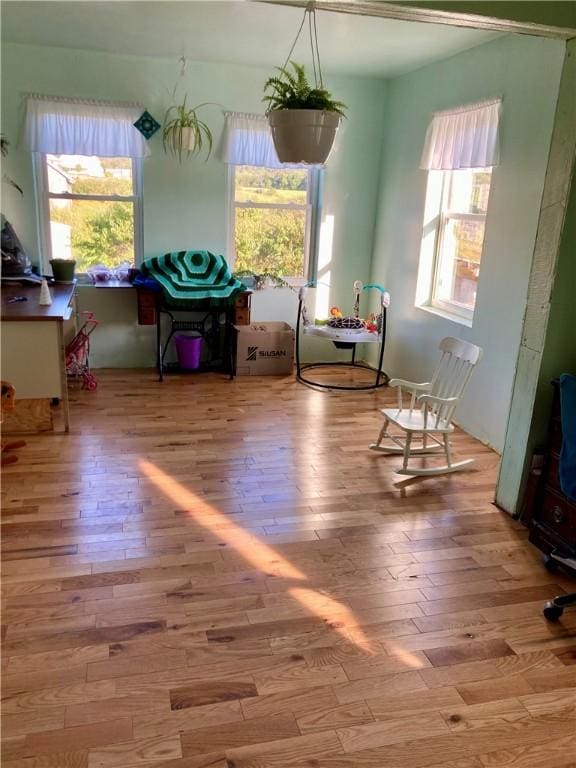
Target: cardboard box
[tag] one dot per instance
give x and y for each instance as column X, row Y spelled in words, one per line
column 264, row 349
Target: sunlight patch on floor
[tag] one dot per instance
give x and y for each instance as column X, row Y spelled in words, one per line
column 256, row 552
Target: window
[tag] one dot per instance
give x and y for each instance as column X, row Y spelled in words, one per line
column 460, row 149
column 273, row 219
column 88, row 178
column 92, row 209
column 460, row 239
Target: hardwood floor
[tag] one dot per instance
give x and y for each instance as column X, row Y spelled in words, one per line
column 214, row 574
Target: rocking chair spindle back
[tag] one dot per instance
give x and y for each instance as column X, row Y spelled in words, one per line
column 432, row 406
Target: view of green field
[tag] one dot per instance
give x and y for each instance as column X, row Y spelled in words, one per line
column 270, row 239
column 91, row 231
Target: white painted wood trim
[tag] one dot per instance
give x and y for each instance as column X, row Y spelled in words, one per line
column 433, row 16
column 559, row 176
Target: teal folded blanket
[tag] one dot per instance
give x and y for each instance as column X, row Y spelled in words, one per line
column 193, row 276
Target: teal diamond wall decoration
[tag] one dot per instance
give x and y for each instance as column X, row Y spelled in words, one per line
column 147, row 125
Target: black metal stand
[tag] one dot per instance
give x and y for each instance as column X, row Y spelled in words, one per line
column 381, row 378
column 215, row 321
column 554, row 608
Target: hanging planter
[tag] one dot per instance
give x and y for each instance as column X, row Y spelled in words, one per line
column 303, row 135
column 184, row 134
column 303, row 118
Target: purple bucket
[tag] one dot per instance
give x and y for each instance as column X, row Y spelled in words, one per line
column 188, row 349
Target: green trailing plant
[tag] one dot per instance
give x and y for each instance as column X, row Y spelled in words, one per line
column 178, row 121
column 261, row 279
column 4, row 144
column 293, row 91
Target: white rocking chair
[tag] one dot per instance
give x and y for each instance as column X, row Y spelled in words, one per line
column 429, row 416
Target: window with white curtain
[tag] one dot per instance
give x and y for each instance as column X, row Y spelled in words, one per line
column 460, row 150
column 273, row 207
column 88, row 170
column 461, row 226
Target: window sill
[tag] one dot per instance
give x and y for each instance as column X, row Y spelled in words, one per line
column 446, row 315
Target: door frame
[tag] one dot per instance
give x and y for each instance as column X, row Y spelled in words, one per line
column 560, row 172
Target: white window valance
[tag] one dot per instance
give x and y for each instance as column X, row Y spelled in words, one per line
column 463, row 138
column 59, row 126
column 247, row 140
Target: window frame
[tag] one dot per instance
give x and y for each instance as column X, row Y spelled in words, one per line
column 312, row 208
column 43, row 197
column 445, row 215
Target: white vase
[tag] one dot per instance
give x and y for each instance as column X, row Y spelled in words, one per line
column 45, row 298
column 303, row 135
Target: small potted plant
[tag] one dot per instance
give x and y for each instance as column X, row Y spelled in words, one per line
column 184, row 134
column 303, row 119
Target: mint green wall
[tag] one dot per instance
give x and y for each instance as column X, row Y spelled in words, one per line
column 525, row 71
column 185, row 206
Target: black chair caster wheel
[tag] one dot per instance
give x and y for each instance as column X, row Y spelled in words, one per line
column 550, row 564
column 552, row 612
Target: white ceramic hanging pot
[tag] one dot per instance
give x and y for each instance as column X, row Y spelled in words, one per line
column 303, row 135
column 183, row 138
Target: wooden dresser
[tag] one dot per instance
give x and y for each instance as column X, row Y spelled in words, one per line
column 552, row 517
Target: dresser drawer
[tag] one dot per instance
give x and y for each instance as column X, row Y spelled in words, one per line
column 243, row 301
column 146, row 307
column 242, row 317
column 559, row 515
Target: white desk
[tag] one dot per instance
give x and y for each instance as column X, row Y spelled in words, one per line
column 33, row 350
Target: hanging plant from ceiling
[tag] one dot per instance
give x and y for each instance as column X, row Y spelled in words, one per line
column 303, row 117
column 184, row 134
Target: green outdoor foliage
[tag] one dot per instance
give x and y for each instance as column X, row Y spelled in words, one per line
column 111, row 232
column 293, row 91
column 101, row 232
column 264, row 185
column 178, row 118
column 270, row 240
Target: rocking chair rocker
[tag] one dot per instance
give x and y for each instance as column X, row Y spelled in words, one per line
column 432, row 404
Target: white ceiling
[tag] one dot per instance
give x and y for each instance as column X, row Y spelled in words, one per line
column 240, row 32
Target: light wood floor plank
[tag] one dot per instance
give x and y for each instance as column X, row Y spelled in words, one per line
column 240, row 584
column 558, row 753
column 230, row 735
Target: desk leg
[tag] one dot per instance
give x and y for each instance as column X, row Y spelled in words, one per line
column 159, row 361
column 379, row 372
column 63, row 377
column 229, row 343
